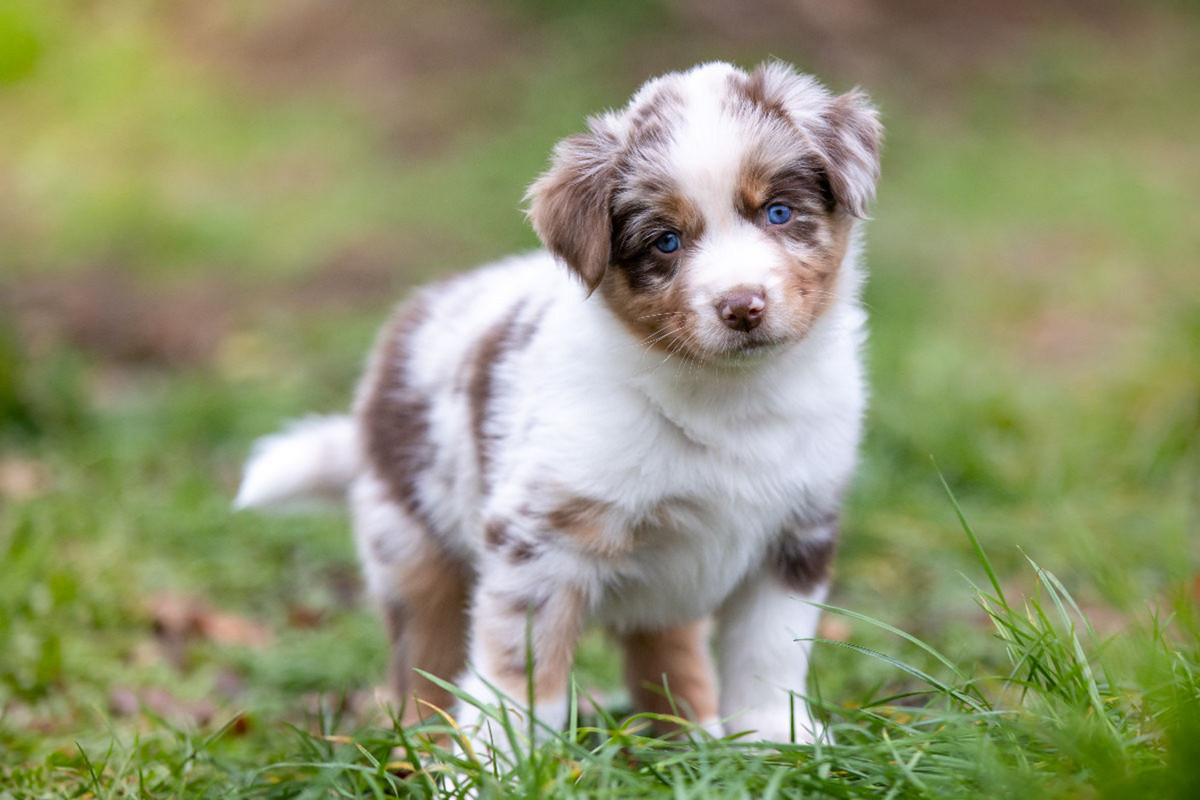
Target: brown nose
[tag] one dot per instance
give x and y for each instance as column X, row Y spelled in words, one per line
column 742, row 310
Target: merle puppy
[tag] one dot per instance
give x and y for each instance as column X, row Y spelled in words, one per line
column 648, row 425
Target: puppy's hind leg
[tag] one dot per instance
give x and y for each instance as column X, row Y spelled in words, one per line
column 426, row 623
column 423, row 593
column 670, row 671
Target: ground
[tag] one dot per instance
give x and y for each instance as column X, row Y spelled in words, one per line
column 207, row 209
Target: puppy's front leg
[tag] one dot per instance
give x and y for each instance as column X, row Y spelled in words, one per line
column 761, row 663
column 525, row 618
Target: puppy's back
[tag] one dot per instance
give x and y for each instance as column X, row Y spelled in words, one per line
column 426, row 405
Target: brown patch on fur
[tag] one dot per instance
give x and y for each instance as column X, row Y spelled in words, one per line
column 804, row 562
column 522, row 551
column 803, row 186
column 394, row 416
column 427, row 626
column 584, row 521
column 753, row 191
column 569, row 204
column 495, row 533
column 811, row 278
column 753, row 91
column 496, row 344
column 681, row 215
column 681, row 655
column 650, row 123
column 496, row 536
column 555, row 621
column 395, row 618
column 588, row 524
column 661, row 318
column 576, row 514
column 479, row 384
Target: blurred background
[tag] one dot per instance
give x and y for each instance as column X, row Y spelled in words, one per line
column 206, row 210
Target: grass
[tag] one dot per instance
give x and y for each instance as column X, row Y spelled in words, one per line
column 177, row 233
column 1069, row 716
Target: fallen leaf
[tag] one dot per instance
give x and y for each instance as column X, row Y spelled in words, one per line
column 178, row 618
column 224, row 628
column 240, row 726
column 305, row 617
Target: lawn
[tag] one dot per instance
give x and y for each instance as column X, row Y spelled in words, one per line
column 207, row 209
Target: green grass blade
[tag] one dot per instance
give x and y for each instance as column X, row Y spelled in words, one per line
column 908, row 637
column 1089, row 679
column 946, row 689
column 979, row 552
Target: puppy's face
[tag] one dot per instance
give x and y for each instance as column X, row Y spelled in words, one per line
column 713, row 213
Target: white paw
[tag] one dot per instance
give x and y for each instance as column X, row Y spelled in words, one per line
column 780, row 727
column 505, row 726
column 484, row 735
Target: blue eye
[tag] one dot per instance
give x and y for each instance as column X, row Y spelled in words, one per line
column 667, row 243
column 778, row 213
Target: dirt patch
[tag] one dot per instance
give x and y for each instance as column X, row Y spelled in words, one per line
column 366, row 275
column 381, row 57
column 932, row 43
column 104, row 312
column 111, row 316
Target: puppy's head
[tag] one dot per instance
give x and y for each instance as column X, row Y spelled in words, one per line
column 712, row 214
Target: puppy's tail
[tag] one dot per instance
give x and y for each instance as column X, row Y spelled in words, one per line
column 313, row 459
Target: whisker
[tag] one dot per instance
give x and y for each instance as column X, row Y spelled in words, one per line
column 672, row 349
column 685, row 358
column 654, row 338
column 663, row 314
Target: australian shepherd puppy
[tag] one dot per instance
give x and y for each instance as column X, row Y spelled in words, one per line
column 649, row 425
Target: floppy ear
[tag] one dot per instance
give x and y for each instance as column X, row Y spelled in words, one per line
column 569, row 204
column 848, row 136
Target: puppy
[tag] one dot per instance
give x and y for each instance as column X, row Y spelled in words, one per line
column 648, row 425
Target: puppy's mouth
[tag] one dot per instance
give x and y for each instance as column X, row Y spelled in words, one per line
column 718, row 345
column 753, row 345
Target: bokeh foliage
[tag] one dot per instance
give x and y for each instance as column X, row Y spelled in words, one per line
column 206, row 210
